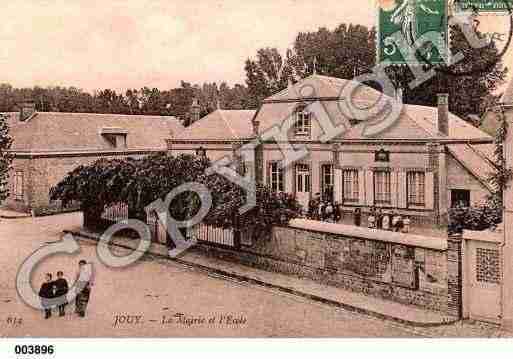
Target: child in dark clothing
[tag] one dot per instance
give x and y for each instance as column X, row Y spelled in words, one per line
column 46, row 293
column 61, row 289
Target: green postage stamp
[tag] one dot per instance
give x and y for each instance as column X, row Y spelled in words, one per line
column 412, row 32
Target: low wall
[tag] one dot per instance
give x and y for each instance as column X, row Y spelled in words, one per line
column 410, row 269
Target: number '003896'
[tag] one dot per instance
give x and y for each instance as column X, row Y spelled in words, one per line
column 33, row 349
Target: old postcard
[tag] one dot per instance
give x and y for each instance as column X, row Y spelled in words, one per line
column 255, row 169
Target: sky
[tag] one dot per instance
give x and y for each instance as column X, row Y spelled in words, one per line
column 156, row 43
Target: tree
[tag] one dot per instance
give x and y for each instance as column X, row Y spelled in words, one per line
column 349, row 50
column 470, row 94
column 139, row 182
column 5, row 157
column 266, row 75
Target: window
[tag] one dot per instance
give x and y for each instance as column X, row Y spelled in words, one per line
column 351, row 185
column 303, row 178
column 276, row 177
column 327, row 182
column 18, row 186
column 303, row 121
column 382, row 187
column 416, row 182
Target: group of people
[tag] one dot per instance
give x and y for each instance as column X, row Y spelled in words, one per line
column 324, row 210
column 53, row 294
column 328, row 211
column 387, row 221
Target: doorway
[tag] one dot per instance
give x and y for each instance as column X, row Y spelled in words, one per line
column 303, row 184
column 460, row 197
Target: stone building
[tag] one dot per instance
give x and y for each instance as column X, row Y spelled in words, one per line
column 48, row 145
column 425, row 162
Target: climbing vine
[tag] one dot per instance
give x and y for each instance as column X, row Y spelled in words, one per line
column 503, row 174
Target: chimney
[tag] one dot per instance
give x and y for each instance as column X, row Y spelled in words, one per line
column 256, row 125
column 195, row 110
column 27, row 109
column 443, row 113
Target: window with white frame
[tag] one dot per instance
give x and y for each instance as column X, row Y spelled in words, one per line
column 303, row 178
column 327, row 182
column 18, row 185
column 351, row 185
column 303, row 124
column 276, row 177
column 382, row 187
column 416, row 187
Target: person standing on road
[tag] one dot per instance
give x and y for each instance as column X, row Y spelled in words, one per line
column 385, row 222
column 357, row 217
column 46, row 293
column 61, row 289
column 82, row 298
column 371, row 221
column 337, row 213
column 406, row 224
column 379, row 219
column 329, row 212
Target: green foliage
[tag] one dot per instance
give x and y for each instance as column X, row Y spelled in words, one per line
column 139, row 182
column 5, row 157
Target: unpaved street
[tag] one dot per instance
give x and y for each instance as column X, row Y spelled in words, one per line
column 158, row 298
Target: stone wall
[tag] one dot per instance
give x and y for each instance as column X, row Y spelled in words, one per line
column 403, row 269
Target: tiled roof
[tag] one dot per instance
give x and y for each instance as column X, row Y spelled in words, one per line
column 325, row 86
column 221, row 125
column 57, row 131
column 415, row 122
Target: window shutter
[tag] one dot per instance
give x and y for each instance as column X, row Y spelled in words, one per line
column 393, row 189
column 369, row 187
column 430, row 192
column 401, row 190
column 337, row 185
column 361, row 187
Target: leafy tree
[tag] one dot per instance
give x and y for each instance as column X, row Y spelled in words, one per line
column 349, row 50
column 471, row 94
column 5, row 157
column 139, row 182
column 267, row 74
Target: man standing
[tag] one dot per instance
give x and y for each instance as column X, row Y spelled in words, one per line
column 61, row 289
column 357, row 217
column 46, row 294
column 82, row 298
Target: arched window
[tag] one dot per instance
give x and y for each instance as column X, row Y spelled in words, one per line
column 303, row 122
